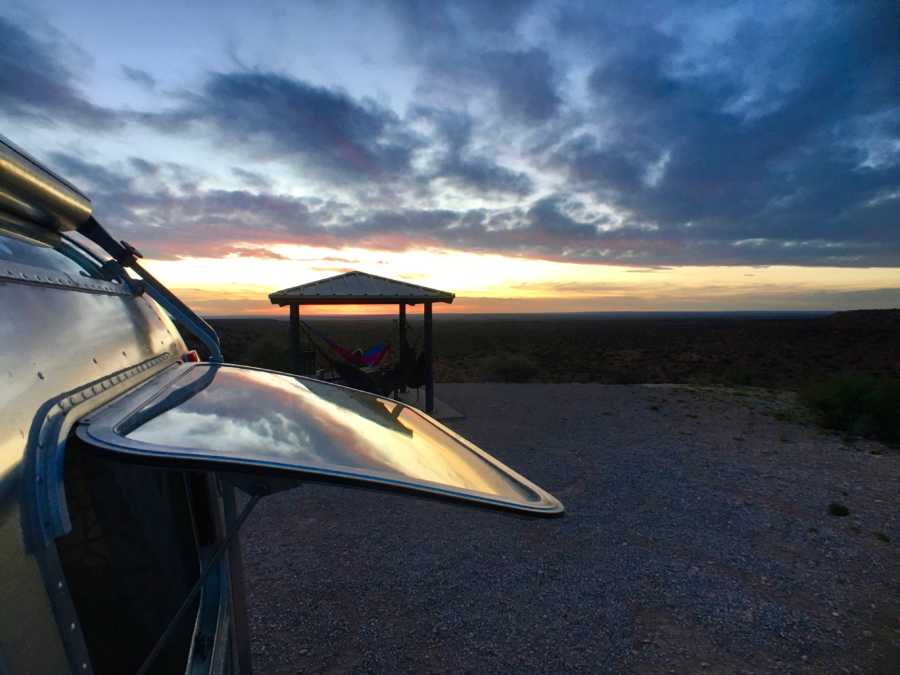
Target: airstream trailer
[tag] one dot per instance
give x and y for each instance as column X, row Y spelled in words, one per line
column 128, row 463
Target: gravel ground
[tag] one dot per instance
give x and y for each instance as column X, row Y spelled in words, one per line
column 697, row 538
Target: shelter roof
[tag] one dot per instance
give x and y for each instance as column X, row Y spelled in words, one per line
column 358, row 288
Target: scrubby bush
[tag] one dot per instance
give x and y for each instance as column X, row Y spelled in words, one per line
column 866, row 406
column 509, row 368
column 268, row 352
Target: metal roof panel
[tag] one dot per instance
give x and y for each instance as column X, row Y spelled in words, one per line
column 358, row 288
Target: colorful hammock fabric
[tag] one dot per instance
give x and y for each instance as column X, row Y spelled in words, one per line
column 369, row 358
column 374, row 354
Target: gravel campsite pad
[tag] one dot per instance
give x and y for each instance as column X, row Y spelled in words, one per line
column 705, row 531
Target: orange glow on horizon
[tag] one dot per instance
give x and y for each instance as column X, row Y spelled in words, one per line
column 239, row 285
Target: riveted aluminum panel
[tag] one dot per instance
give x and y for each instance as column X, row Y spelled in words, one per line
column 54, row 339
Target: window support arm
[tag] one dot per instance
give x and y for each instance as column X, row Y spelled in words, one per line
column 211, row 564
column 127, row 256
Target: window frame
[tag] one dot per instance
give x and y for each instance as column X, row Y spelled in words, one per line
column 103, row 429
column 90, row 277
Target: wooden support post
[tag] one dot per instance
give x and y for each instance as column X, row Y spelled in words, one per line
column 294, row 337
column 404, row 352
column 429, row 368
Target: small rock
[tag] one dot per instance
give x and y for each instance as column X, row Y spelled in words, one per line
column 838, row 509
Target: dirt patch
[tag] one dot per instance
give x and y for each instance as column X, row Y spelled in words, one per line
column 701, row 526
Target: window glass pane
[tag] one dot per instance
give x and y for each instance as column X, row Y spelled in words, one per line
column 279, row 421
column 223, row 417
column 59, row 257
column 130, row 560
column 276, row 418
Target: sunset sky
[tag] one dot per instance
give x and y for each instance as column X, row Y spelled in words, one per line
column 547, row 156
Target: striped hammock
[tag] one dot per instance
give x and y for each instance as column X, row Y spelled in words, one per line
column 369, row 358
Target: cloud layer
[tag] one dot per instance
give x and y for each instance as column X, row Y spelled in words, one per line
column 757, row 133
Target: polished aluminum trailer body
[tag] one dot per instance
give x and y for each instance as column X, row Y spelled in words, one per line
column 120, row 477
column 56, row 365
column 70, row 341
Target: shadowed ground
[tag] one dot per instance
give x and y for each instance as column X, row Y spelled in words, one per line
column 697, row 537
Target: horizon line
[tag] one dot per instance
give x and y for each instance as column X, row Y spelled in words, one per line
column 284, row 316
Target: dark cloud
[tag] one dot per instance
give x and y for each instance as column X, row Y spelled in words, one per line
column 36, row 84
column 141, row 77
column 93, row 178
column 170, row 221
column 143, row 167
column 462, row 166
column 483, row 176
column 524, row 83
column 470, row 49
column 746, row 134
column 762, row 138
column 448, row 25
column 547, row 215
column 276, row 116
column 251, row 178
column 170, row 215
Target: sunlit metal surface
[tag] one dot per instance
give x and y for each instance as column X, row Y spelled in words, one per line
column 32, row 192
column 70, row 341
column 13, row 271
column 53, row 340
column 275, row 421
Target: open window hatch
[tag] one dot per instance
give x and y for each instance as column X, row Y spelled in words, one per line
column 273, row 430
column 141, row 480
